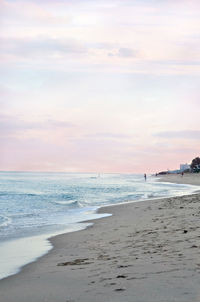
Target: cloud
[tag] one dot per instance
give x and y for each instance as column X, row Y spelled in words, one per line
column 127, row 52
column 23, row 12
column 177, row 62
column 48, row 46
column 10, row 125
column 41, row 46
column 182, row 134
column 124, row 53
column 108, row 136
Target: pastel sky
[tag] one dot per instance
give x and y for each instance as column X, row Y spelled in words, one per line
column 99, row 85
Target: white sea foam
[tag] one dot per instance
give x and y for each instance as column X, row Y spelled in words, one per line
column 5, row 221
column 69, row 203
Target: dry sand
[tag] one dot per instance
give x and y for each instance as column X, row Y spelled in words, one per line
column 146, row 252
column 187, row 178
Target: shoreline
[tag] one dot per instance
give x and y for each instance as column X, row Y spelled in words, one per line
column 86, row 251
column 35, row 251
column 46, row 244
column 38, row 245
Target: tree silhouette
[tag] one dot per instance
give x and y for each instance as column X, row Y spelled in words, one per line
column 195, row 163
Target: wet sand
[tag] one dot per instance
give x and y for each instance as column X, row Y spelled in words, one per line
column 146, row 252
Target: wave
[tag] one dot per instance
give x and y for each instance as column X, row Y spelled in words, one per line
column 22, row 215
column 69, row 203
column 126, row 198
column 150, row 195
column 5, row 221
column 66, row 196
column 18, row 194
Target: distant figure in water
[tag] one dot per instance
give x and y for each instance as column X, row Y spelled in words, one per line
column 145, row 176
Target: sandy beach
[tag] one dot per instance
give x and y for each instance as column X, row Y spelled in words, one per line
column 145, row 252
column 187, row 178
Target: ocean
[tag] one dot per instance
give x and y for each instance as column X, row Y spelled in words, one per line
column 37, row 206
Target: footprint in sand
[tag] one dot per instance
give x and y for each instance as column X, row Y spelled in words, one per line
column 120, row 289
column 74, row 262
column 121, row 276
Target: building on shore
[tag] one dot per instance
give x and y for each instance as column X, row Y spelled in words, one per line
column 184, row 167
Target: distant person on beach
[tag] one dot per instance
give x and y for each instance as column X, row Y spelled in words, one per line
column 145, row 176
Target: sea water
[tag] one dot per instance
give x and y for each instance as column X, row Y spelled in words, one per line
column 37, row 206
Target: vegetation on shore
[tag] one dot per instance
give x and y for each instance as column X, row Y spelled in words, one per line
column 195, row 165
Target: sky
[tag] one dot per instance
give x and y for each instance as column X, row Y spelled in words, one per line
column 99, row 85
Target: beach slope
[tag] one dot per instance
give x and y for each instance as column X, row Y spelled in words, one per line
column 146, row 252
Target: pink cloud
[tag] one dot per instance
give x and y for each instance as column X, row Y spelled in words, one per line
column 19, row 12
column 86, row 85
